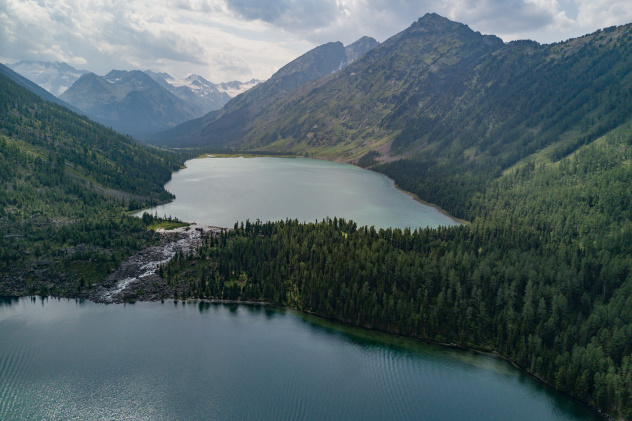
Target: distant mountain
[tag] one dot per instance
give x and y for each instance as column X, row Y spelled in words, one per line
column 229, row 124
column 128, row 101
column 358, row 49
column 198, row 92
column 54, row 77
column 438, row 89
column 33, row 87
column 236, row 87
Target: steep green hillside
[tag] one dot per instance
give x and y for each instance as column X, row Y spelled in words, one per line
column 65, row 182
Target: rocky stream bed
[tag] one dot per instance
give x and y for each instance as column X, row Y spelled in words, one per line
column 137, row 278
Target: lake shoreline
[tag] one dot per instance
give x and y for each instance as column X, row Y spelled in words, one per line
column 451, row 220
column 423, row 202
column 482, row 351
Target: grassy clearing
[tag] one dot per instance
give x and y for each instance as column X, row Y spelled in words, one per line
column 167, row 225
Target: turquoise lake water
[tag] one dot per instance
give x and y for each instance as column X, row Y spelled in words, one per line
column 222, row 191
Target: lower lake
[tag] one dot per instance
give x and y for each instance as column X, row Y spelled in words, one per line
column 64, row 359
column 222, row 191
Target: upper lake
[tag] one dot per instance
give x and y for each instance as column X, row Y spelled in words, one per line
column 222, row 191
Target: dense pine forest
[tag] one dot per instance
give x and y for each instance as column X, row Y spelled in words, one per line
column 542, row 275
column 65, row 183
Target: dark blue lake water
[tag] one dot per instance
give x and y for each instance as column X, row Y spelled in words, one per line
column 62, row 359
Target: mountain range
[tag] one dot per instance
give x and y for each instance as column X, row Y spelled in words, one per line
column 148, row 108
column 140, row 103
column 436, row 88
column 235, row 119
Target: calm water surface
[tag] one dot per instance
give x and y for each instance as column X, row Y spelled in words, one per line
column 62, row 359
column 222, row 191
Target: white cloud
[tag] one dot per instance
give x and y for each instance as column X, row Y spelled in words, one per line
column 240, row 39
column 195, row 37
column 603, row 13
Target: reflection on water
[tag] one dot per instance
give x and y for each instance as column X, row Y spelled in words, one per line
column 62, row 359
column 7, row 301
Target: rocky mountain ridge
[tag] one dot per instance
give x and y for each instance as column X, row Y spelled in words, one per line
column 54, row 77
column 235, row 118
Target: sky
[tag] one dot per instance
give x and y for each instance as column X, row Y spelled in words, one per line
column 224, row 40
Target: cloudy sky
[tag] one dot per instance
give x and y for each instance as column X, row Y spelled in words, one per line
column 226, row 40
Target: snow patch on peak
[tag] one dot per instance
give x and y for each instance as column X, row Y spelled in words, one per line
column 236, row 87
column 54, row 77
column 194, row 82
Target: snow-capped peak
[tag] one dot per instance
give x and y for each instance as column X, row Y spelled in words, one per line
column 54, row 77
column 236, row 87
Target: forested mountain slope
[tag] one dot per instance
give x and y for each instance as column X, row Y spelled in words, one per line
column 65, row 182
